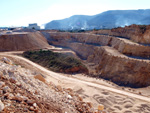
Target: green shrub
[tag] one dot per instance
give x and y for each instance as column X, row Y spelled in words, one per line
column 56, row 61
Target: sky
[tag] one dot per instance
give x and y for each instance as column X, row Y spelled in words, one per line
column 14, row 13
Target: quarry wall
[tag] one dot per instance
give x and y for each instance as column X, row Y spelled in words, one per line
column 109, row 54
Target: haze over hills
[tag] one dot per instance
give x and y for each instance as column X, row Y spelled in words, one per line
column 93, row 56
column 109, row 19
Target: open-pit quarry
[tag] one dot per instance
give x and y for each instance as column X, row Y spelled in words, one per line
column 120, row 60
column 118, row 78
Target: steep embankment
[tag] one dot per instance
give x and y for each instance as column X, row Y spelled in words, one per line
column 136, row 33
column 18, row 41
column 110, row 62
column 124, row 46
column 121, row 69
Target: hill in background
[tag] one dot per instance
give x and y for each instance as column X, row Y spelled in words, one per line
column 109, row 19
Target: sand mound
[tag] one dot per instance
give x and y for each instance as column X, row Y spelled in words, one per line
column 22, row 41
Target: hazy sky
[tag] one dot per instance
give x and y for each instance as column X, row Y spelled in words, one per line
column 23, row 12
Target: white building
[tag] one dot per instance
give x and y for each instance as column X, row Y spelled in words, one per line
column 34, row 26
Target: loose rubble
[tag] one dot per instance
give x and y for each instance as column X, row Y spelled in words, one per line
column 1, row 105
column 22, row 91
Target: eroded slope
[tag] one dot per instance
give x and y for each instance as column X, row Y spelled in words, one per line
column 23, row 90
column 21, row 41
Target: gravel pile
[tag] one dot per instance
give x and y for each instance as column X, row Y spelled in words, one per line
column 22, row 90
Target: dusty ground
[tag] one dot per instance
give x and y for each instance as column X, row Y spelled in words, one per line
column 24, row 90
column 115, row 99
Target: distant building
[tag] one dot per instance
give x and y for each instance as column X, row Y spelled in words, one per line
column 34, row 26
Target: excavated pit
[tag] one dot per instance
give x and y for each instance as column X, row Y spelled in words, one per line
column 109, row 56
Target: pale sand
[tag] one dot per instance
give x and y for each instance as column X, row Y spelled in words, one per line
column 95, row 90
column 113, row 102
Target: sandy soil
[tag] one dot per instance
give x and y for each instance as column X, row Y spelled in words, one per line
column 22, row 41
column 115, row 99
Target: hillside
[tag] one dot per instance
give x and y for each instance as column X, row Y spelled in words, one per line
column 56, row 61
column 137, row 33
column 107, row 20
column 74, row 22
column 21, row 41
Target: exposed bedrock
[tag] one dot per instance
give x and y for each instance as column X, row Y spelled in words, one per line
column 122, row 45
column 120, row 69
column 18, row 41
column 137, row 33
column 105, row 53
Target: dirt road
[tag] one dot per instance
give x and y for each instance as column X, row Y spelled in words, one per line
column 89, row 90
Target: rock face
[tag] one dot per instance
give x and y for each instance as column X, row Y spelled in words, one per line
column 18, row 41
column 88, row 41
column 121, row 69
column 136, row 33
column 114, row 58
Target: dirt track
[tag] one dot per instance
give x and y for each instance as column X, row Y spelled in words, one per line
column 90, row 90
